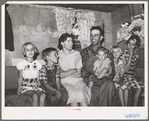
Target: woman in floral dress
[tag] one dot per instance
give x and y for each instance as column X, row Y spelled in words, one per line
column 129, row 58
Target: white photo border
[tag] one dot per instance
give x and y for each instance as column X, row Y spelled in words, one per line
column 40, row 113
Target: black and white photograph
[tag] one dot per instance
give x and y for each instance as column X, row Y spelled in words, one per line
column 74, row 60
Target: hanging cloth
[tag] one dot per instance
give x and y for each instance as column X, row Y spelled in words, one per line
column 9, row 40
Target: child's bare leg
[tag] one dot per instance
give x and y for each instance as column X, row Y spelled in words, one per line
column 136, row 96
column 120, row 92
column 42, row 99
column 83, row 104
column 74, row 104
column 35, row 100
column 90, row 85
column 126, row 92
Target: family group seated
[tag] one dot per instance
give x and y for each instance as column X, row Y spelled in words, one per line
column 89, row 77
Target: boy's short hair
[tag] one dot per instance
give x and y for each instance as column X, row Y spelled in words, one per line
column 63, row 38
column 46, row 51
column 116, row 47
column 35, row 49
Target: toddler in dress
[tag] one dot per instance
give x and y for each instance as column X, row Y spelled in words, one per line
column 101, row 65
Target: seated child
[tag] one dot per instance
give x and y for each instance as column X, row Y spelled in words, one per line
column 28, row 82
column 49, row 77
column 101, row 66
column 118, row 79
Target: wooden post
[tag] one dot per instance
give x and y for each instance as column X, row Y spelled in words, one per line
column 131, row 10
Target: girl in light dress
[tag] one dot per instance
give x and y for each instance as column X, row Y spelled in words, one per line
column 28, row 82
column 118, row 79
column 70, row 63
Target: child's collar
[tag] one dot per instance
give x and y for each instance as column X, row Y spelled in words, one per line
column 50, row 67
column 69, row 53
column 29, row 61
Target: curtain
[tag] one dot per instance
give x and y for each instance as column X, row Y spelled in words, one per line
column 66, row 18
column 64, row 21
column 9, row 40
column 85, row 21
column 136, row 27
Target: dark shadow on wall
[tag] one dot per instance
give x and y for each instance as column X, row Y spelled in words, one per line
column 9, row 40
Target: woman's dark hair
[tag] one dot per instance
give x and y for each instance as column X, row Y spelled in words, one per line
column 46, row 51
column 135, row 37
column 63, row 38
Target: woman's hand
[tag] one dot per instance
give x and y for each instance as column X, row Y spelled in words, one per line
column 74, row 75
column 58, row 94
column 77, row 74
column 65, row 74
column 131, row 49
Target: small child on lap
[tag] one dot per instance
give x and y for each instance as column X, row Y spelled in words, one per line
column 101, row 67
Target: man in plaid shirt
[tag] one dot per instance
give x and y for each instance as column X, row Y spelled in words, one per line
column 101, row 96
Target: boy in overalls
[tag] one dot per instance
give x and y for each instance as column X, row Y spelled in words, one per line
column 49, row 76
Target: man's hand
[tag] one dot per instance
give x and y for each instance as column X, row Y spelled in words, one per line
column 93, row 78
column 83, row 73
column 97, row 73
